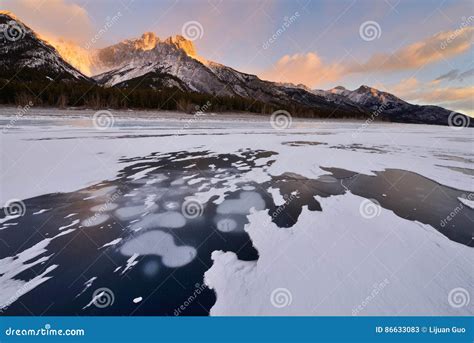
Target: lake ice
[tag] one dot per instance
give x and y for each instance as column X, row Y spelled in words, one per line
column 310, row 220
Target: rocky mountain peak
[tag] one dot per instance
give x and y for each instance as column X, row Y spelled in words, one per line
column 182, row 43
column 12, row 28
column 366, row 89
column 147, row 41
column 338, row 90
column 8, row 15
column 27, row 56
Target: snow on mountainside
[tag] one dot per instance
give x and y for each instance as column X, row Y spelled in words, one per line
column 388, row 106
column 173, row 62
column 368, row 96
column 150, row 62
column 172, row 58
column 27, row 56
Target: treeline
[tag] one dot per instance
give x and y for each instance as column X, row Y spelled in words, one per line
column 82, row 94
column 66, row 93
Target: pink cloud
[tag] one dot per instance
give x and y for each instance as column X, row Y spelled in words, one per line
column 53, row 18
column 307, row 69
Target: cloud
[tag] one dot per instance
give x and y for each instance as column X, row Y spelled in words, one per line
column 405, row 88
column 443, row 45
column 450, row 75
column 446, row 95
column 455, row 98
column 466, row 74
column 310, row 70
column 454, row 74
column 53, row 18
column 307, row 69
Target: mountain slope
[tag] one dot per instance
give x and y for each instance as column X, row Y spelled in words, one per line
column 147, row 65
column 387, row 106
column 173, row 63
column 27, row 57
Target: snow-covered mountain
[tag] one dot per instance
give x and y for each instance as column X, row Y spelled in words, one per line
column 149, row 62
column 387, row 106
column 173, row 62
column 26, row 56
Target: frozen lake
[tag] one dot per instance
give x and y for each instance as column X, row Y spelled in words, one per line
column 153, row 213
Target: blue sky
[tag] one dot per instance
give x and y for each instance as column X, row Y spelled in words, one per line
column 321, row 48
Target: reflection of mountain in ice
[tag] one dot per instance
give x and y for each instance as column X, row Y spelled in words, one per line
column 148, row 232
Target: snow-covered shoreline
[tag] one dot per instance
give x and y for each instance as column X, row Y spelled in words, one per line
column 49, row 154
column 333, row 262
column 326, row 265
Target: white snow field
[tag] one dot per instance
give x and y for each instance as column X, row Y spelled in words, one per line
column 331, row 262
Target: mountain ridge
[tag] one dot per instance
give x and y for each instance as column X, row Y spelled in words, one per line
column 33, row 54
column 151, row 63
